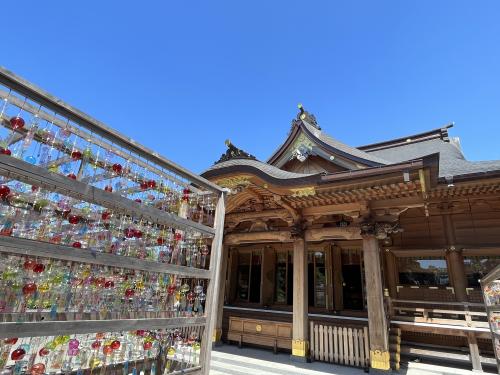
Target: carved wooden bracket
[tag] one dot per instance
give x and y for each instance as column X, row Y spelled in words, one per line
column 380, row 230
column 292, row 211
column 235, row 184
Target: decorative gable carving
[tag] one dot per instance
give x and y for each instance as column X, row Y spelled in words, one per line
column 234, row 152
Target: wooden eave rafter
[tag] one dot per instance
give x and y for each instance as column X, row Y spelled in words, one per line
column 483, row 187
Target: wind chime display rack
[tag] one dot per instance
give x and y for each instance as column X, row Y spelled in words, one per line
column 109, row 253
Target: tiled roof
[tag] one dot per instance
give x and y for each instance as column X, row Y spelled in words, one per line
column 451, row 159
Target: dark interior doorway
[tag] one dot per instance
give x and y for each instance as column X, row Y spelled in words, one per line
column 352, row 288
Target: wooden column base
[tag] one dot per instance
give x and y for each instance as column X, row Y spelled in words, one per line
column 380, row 360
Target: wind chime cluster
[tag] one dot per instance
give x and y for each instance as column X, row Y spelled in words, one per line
column 65, row 290
column 27, row 211
column 134, row 352
column 44, row 140
column 30, row 211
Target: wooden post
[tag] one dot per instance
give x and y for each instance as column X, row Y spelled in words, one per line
column 390, row 272
column 300, row 338
column 338, row 301
column 377, row 321
column 329, row 278
column 217, row 335
column 268, row 278
column 213, row 288
column 455, row 261
column 232, row 275
column 474, row 352
column 457, row 273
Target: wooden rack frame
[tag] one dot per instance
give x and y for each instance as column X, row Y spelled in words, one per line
column 25, row 172
column 490, row 278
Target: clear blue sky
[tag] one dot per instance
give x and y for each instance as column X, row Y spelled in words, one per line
column 182, row 76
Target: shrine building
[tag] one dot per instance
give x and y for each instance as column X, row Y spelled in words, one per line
column 359, row 255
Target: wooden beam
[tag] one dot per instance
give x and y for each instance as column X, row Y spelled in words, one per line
column 36, row 329
column 238, row 217
column 407, row 202
column 258, row 237
column 333, row 209
column 322, row 234
column 22, row 246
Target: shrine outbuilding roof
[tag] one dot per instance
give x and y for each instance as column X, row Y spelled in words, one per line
column 452, row 162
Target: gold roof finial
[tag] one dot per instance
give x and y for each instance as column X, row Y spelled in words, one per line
column 227, row 142
column 306, row 116
column 302, row 114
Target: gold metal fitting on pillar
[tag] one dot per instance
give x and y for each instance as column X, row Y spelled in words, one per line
column 300, row 348
column 380, row 360
column 217, row 334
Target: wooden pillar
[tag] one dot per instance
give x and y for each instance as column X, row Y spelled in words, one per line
column 330, row 305
column 300, row 337
column 232, row 275
column 474, row 352
column 455, row 261
column 391, row 274
column 377, row 321
column 222, row 289
column 213, row 291
column 457, row 273
column 268, row 278
column 338, row 300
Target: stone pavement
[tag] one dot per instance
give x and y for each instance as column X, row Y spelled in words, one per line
column 230, row 360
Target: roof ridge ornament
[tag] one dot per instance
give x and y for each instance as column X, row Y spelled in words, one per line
column 234, row 152
column 304, row 115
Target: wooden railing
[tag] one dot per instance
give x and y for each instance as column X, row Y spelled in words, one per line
column 342, row 345
column 466, row 314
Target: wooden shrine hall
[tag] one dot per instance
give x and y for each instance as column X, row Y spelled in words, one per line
column 359, row 255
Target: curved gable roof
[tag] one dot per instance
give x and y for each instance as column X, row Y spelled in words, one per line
column 326, row 142
column 266, row 171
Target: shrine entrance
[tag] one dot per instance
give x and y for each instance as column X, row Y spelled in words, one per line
column 352, row 289
column 352, row 276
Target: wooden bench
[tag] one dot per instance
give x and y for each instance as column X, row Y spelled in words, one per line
column 277, row 335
